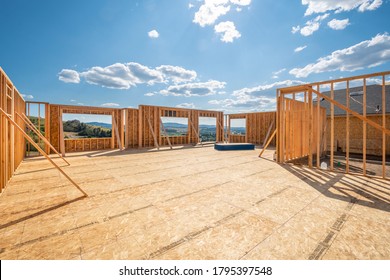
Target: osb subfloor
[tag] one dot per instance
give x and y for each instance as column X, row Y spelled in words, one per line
column 191, row 203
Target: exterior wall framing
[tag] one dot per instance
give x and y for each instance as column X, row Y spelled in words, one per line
column 256, row 127
column 12, row 143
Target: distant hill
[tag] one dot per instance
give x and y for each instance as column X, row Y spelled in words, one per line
column 175, row 125
column 105, row 125
column 76, row 128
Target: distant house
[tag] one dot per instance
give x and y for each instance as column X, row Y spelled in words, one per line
column 373, row 100
column 374, row 113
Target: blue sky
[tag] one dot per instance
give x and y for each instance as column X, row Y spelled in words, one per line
column 228, row 55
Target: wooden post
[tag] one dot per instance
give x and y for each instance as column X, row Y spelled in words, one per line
column 112, row 131
column 126, row 121
column 331, row 128
column 47, row 125
column 318, row 129
column 62, row 140
column 347, row 132
column 115, row 128
column 140, row 126
column 384, row 126
column 364, row 126
column 310, row 129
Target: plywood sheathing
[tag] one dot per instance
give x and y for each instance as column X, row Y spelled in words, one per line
column 145, row 205
column 11, row 141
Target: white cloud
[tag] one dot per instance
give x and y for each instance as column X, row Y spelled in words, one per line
column 110, row 105
column 27, row 96
column 127, row 75
column 322, row 6
column 299, row 49
column 256, row 98
column 195, row 89
column 295, row 29
column 227, row 31
column 69, row 76
column 311, row 26
column 149, row 94
column 338, row 24
column 190, row 6
column 210, row 11
column 177, row 74
column 72, row 100
column 186, row 105
column 122, row 76
column 153, row 34
column 81, row 104
column 366, row 54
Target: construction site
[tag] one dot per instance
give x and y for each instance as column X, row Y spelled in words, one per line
column 316, row 186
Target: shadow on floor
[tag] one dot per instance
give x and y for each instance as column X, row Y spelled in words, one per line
column 375, row 193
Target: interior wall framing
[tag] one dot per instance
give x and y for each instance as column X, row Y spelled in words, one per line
column 356, row 124
column 12, row 144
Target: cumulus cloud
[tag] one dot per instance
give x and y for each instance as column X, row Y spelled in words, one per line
column 69, row 76
column 256, row 98
column 153, row 34
column 338, row 24
column 149, row 94
column 210, row 11
column 110, row 105
column 322, row 6
column 127, row 75
column 186, row 105
column 366, row 54
column 299, row 49
column 122, row 76
column 177, row 74
column 228, row 31
column 311, row 26
column 211, row 87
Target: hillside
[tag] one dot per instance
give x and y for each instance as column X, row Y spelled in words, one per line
column 77, row 129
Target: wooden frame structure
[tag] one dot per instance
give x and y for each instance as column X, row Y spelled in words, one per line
column 12, row 142
column 56, row 137
column 258, row 127
column 132, row 128
column 150, row 130
column 291, row 132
